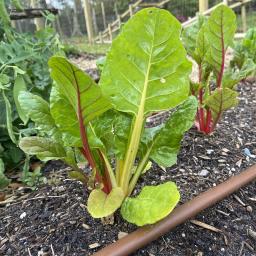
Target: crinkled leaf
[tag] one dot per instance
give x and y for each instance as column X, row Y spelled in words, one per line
column 166, row 143
column 4, row 181
column 151, row 205
column 220, row 100
column 39, row 112
column 220, row 29
column 146, row 68
column 232, row 77
column 102, row 205
column 78, row 87
column 19, row 86
column 45, row 149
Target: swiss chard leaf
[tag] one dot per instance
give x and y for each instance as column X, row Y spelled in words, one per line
column 44, row 148
column 151, row 205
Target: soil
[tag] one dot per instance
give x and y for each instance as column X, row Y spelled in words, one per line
column 53, row 220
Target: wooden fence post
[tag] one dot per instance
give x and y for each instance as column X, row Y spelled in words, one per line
column 130, row 10
column 110, row 32
column 100, row 36
column 103, row 14
column 225, row 2
column 88, row 20
column 203, row 6
column 119, row 20
column 243, row 17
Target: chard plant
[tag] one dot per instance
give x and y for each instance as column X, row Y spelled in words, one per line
column 207, row 43
column 146, row 70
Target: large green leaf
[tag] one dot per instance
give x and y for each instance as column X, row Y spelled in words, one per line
column 39, row 111
column 146, row 68
column 220, row 30
column 166, row 142
column 82, row 92
column 102, row 205
column 151, row 205
column 19, row 86
column 220, row 100
column 45, row 149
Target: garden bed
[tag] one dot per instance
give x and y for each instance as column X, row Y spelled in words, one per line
column 54, row 219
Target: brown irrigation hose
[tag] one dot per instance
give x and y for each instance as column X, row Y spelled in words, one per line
column 147, row 234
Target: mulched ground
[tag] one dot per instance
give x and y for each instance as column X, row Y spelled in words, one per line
column 53, row 219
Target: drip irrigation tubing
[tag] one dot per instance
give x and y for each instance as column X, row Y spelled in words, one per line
column 144, row 235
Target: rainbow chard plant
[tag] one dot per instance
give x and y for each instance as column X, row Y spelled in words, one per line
column 207, row 43
column 146, row 70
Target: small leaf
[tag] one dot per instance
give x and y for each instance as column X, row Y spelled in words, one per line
column 151, row 205
column 9, row 118
column 220, row 100
column 19, row 86
column 102, row 205
column 39, row 111
column 3, row 180
column 45, row 149
column 77, row 175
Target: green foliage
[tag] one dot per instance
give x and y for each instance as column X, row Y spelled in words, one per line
column 149, row 201
column 23, row 66
column 207, row 42
column 146, row 70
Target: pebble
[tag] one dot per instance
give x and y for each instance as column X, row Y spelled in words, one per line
column 95, row 245
column 204, row 173
column 23, row 215
column 248, row 208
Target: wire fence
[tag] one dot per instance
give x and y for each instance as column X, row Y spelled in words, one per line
column 70, row 21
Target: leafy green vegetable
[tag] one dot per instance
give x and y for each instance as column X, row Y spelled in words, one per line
column 211, row 39
column 146, row 70
column 155, row 202
column 4, row 181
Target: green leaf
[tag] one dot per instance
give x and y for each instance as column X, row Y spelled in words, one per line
column 9, row 118
column 4, row 79
column 78, row 87
column 45, row 149
column 220, row 100
column 102, row 205
column 190, row 37
column 232, row 77
column 166, row 143
column 151, row 205
column 19, row 86
column 4, row 181
column 146, row 68
column 220, row 30
column 65, row 118
column 39, row 111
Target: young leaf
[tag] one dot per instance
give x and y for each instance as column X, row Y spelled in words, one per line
column 102, row 205
column 220, row 30
column 151, row 205
column 45, row 149
column 39, row 111
column 166, row 143
column 19, row 86
column 8, row 110
column 221, row 99
column 83, row 93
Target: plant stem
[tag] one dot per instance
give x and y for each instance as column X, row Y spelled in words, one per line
column 138, row 171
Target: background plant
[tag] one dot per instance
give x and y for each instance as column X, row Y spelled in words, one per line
column 23, row 66
column 207, row 43
column 146, row 70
